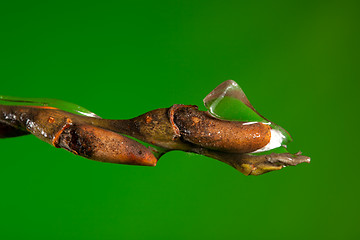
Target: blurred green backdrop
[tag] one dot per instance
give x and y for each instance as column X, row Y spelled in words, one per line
column 298, row 62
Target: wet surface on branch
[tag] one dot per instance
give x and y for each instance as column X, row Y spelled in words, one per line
column 180, row 127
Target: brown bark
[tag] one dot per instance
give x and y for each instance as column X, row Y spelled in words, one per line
column 180, row 127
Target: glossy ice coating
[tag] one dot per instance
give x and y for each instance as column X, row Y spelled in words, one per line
column 232, row 131
column 47, row 102
column 202, row 129
column 229, row 102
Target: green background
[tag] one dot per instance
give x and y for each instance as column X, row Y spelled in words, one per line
column 298, row 62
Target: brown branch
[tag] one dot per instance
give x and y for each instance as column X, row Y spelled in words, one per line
column 180, row 127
